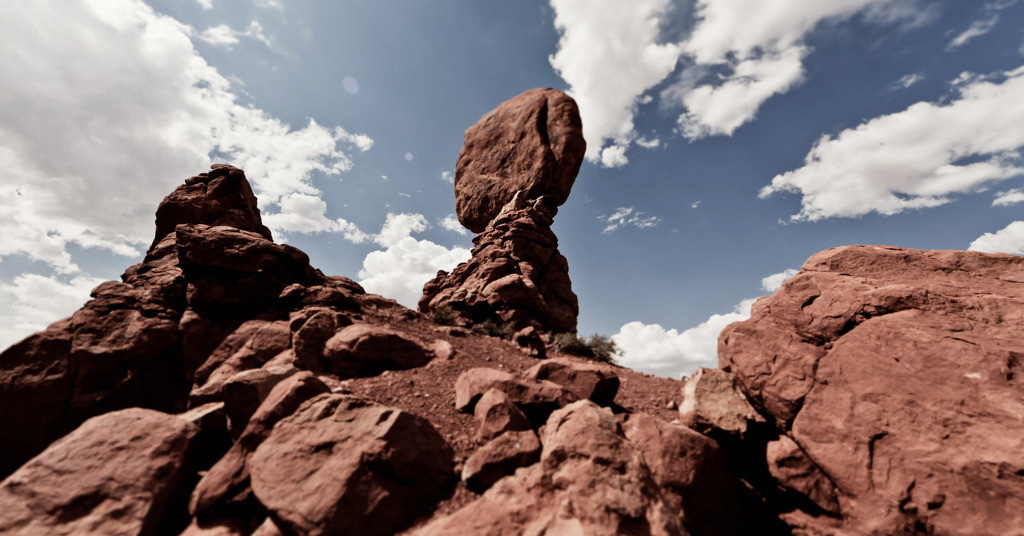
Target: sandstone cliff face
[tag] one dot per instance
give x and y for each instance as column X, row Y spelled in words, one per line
column 516, row 167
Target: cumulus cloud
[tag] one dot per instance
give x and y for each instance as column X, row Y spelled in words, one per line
column 399, row 226
column 610, row 53
column 451, row 223
column 1009, row 239
column 735, row 55
column 400, row 271
column 744, row 52
column 773, row 282
column 920, row 156
column 1009, row 197
column 32, row 301
column 653, row 349
column 108, row 107
column 628, row 216
column 205, row 4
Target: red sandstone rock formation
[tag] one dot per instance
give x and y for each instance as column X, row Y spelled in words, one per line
column 516, row 167
column 876, row 393
column 895, row 374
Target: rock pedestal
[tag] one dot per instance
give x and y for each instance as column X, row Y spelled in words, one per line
column 516, row 167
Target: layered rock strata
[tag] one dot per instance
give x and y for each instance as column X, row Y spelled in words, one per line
column 516, row 168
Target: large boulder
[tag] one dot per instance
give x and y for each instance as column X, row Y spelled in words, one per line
column 532, row 143
column 897, row 373
column 121, row 473
column 343, row 465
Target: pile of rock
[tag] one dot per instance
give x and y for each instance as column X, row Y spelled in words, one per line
column 516, row 168
column 233, row 344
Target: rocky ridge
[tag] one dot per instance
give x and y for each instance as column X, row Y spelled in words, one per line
column 226, row 387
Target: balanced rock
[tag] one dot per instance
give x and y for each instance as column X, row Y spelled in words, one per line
column 532, row 143
column 898, row 372
column 516, row 168
column 117, row 474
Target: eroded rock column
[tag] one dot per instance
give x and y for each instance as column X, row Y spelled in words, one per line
column 516, row 167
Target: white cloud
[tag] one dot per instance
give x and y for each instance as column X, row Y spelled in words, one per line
column 609, row 53
column 107, row 108
column 1009, row 197
column 451, row 223
column 653, row 349
column 205, row 4
column 908, row 80
column 32, row 301
column 224, row 36
column 736, row 55
column 625, row 216
column 696, row 204
column 980, row 27
column 976, row 29
column 304, row 213
column 399, row 226
column 744, row 52
column 400, row 271
column 652, row 143
column 1009, row 239
column 269, row 4
column 774, row 282
column 447, row 176
column 919, row 157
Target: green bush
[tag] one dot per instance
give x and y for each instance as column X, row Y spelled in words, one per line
column 596, row 347
column 495, row 329
column 444, row 315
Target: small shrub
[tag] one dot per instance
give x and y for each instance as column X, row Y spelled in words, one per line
column 596, row 347
column 444, row 315
column 495, row 328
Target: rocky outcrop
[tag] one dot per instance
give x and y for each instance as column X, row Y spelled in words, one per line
column 516, row 167
column 895, row 375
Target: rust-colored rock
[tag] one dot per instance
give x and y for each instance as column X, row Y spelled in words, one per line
column 367, row 350
column 516, row 168
column 713, row 403
column 497, row 414
column 220, row 197
column 898, row 373
column 516, row 276
column 532, row 143
column 590, row 480
column 692, row 472
column 117, row 474
column 343, row 465
column 229, row 477
column 536, row 398
column 592, row 381
column 790, row 467
column 499, row 458
column 530, row 341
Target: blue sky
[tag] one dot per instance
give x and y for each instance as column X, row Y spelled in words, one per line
column 728, row 140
